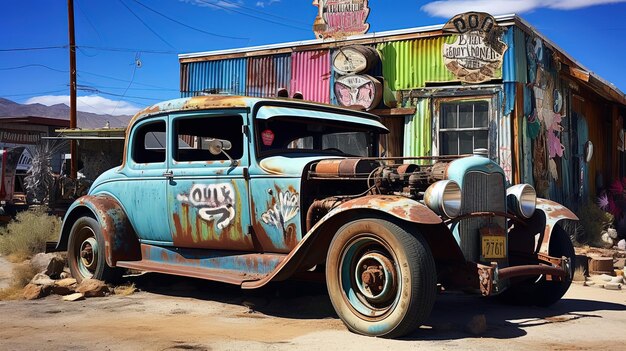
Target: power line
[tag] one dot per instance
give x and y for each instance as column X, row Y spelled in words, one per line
column 188, row 26
column 143, row 51
column 88, row 84
column 132, row 78
column 35, row 48
column 39, row 93
column 249, row 15
column 121, row 80
column 83, row 72
column 265, row 13
column 89, row 21
column 145, row 24
column 33, row 65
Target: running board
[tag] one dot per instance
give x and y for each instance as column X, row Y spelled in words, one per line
column 217, row 265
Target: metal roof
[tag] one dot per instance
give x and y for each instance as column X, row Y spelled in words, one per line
column 294, row 44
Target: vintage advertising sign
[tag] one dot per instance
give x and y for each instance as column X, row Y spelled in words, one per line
column 478, row 50
column 354, row 59
column 10, row 136
column 358, row 90
column 340, row 18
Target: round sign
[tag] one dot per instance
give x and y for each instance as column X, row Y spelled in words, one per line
column 358, row 90
column 354, row 59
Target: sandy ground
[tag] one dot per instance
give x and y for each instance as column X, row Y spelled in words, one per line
column 171, row 313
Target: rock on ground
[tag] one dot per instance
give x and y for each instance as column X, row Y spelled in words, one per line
column 93, row 288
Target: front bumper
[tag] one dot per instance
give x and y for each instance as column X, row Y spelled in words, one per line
column 553, row 268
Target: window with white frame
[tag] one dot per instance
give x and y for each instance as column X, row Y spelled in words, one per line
column 463, row 126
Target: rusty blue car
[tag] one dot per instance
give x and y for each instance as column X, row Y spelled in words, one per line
column 249, row 191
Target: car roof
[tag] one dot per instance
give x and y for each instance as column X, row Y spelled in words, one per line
column 211, row 102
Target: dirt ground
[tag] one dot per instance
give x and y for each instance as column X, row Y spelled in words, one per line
column 172, row 313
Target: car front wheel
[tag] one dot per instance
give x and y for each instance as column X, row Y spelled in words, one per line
column 381, row 279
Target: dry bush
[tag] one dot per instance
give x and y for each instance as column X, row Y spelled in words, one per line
column 22, row 275
column 27, row 234
column 125, row 290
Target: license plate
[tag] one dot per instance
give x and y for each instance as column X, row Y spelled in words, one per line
column 493, row 246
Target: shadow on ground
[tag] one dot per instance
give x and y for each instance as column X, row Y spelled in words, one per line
column 448, row 321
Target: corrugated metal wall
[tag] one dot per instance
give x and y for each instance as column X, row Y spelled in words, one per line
column 224, row 76
column 418, row 130
column 267, row 74
column 310, row 75
column 410, row 64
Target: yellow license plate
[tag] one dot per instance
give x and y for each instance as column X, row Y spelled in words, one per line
column 493, row 246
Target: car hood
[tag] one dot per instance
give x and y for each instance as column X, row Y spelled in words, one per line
column 288, row 165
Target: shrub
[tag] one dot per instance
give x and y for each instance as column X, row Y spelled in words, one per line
column 27, row 234
column 594, row 220
column 22, row 275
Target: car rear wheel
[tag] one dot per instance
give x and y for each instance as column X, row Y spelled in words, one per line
column 86, row 252
column 381, row 279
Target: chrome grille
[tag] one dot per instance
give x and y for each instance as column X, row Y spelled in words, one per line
column 482, row 192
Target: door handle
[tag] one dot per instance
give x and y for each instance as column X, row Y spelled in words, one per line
column 168, row 174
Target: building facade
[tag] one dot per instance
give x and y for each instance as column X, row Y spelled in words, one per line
column 475, row 82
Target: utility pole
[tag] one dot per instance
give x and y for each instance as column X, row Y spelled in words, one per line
column 73, row 149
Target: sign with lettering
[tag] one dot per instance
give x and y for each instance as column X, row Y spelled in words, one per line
column 10, row 136
column 340, row 18
column 358, row 90
column 477, row 51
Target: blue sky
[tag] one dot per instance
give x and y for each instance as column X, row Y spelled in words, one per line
column 127, row 55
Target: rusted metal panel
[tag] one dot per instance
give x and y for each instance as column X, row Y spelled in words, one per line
column 267, row 74
column 310, row 75
column 120, row 241
column 224, row 76
column 397, row 206
column 514, row 66
column 554, row 213
column 226, row 266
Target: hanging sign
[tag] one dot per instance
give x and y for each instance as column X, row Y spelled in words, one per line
column 354, row 59
column 478, row 50
column 340, row 18
column 358, row 90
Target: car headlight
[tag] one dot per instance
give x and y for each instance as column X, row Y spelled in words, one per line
column 444, row 198
column 522, row 199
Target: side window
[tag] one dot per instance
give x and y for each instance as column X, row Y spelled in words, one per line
column 149, row 143
column 463, row 127
column 194, row 134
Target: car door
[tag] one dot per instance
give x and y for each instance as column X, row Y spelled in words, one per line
column 143, row 192
column 207, row 192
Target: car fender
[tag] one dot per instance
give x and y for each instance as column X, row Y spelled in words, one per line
column 314, row 245
column 554, row 213
column 120, row 240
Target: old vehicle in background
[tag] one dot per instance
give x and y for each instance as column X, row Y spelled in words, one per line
column 13, row 170
column 248, row 191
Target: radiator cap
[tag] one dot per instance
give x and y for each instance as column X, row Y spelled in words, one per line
column 481, row 152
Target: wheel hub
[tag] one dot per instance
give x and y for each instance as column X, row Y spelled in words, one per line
column 89, row 253
column 375, row 277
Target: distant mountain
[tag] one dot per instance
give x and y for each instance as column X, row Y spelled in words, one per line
column 85, row 120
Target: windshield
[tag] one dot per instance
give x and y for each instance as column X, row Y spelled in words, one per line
column 308, row 135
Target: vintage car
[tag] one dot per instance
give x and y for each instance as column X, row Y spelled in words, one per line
column 249, row 191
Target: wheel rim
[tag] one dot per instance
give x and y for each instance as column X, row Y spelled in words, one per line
column 87, row 252
column 369, row 277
